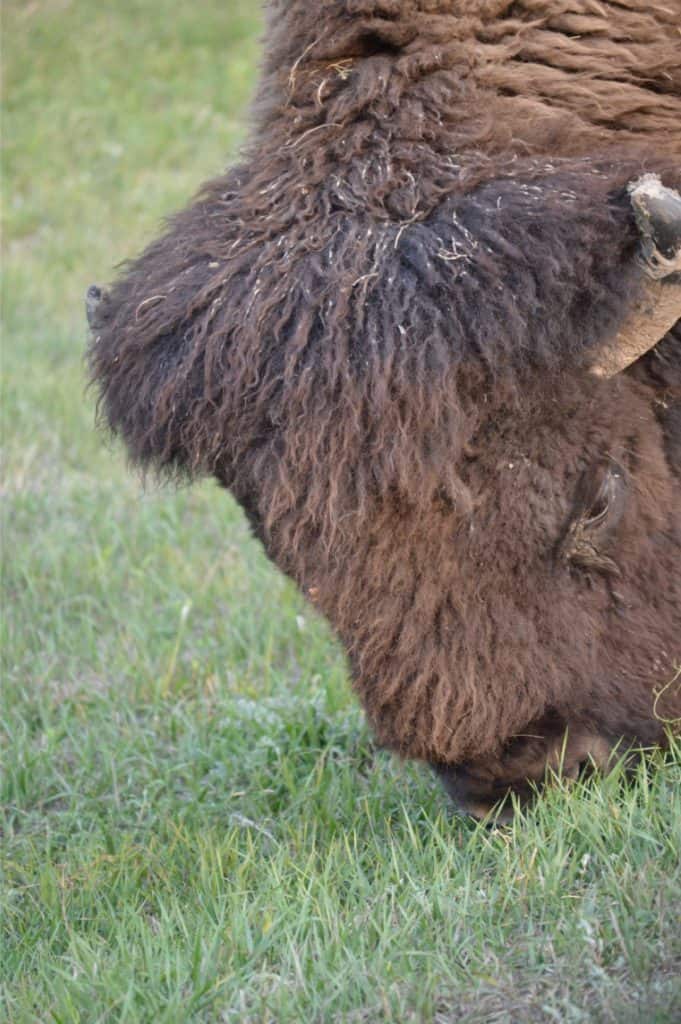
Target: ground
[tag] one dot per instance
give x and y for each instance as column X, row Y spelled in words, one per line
column 195, row 823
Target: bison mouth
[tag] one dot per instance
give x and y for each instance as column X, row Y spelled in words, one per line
column 494, row 787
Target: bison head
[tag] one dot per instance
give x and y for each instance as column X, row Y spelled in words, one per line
column 429, row 340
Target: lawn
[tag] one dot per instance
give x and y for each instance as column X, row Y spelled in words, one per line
column 195, row 824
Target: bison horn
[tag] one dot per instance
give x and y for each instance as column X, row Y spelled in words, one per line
column 658, row 214
column 95, row 300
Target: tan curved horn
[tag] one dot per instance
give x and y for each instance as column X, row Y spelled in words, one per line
column 658, row 214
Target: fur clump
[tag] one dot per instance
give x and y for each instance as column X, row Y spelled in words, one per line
column 374, row 330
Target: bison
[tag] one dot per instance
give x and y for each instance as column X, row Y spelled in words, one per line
column 427, row 332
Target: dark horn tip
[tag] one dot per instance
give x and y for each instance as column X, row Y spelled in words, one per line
column 658, row 215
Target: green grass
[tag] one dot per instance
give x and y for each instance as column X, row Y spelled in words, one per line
column 196, row 826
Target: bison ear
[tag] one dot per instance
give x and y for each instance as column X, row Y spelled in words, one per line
column 658, row 215
column 599, row 505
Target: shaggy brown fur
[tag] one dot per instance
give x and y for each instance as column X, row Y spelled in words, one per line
column 374, row 331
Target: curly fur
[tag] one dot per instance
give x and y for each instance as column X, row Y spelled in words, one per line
column 374, row 330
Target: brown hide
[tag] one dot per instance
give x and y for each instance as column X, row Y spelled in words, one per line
column 376, row 331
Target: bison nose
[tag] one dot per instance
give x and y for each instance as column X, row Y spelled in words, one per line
column 93, row 300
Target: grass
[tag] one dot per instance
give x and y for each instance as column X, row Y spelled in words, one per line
column 195, row 823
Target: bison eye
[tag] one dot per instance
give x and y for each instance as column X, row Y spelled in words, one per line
column 606, row 500
column 598, row 507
